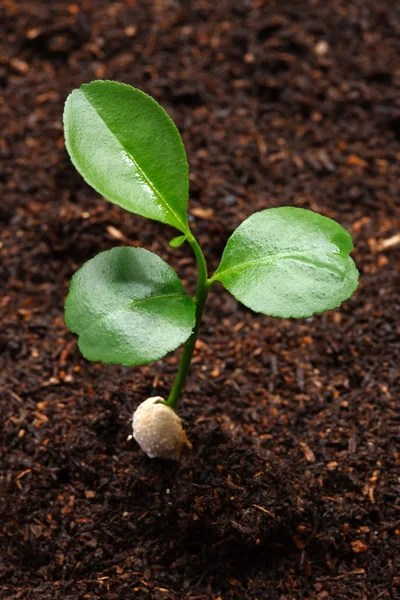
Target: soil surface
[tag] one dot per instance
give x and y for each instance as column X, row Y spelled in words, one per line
column 292, row 487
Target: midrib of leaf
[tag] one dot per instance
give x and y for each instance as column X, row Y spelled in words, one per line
column 143, row 175
column 137, row 301
column 273, row 259
column 129, row 305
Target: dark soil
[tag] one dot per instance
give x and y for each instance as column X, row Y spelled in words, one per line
column 292, row 487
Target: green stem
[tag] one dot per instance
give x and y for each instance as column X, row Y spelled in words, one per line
column 200, row 300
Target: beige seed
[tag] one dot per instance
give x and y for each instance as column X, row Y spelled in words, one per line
column 158, row 430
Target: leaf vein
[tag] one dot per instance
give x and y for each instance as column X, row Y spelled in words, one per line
column 127, row 306
column 268, row 262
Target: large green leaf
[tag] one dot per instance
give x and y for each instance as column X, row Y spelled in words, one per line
column 289, row 262
column 128, row 307
column 127, row 148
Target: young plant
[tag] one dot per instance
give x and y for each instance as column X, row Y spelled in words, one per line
column 127, row 305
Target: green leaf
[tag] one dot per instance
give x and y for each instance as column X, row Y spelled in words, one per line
column 128, row 307
column 289, row 262
column 177, row 241
column 127, row 148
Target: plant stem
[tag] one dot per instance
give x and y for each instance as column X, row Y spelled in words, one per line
column 200, row 300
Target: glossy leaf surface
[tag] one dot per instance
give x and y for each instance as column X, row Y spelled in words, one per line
column 289, row 262
column 126, row 147
column 128, row 307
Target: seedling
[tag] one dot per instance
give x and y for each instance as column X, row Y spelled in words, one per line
column 127, row 305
